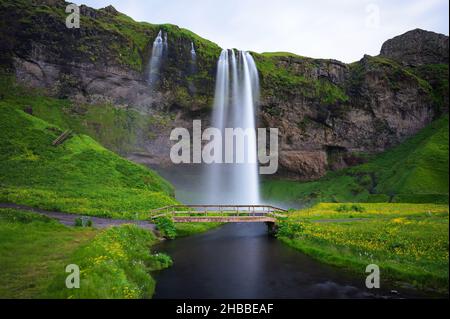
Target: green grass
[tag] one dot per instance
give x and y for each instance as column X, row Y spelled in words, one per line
column 79, row 176
column 118, row 129
column 279, row 78
column 409, row 242
column 282, row 54
column 414, row 172
column 33, row 250
column 115, row 265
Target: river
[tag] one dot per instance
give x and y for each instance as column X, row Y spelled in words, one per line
column 242, row 261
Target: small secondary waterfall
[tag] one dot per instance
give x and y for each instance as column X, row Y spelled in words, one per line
column 193, row 53
column 160, row 48
column 236, row 97
column 193, row 68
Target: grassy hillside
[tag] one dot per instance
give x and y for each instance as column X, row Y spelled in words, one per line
column 408, row 242
column 116, row 264
column 35, row 251
column 413, row 172
column 79, row 176
column 119, row 130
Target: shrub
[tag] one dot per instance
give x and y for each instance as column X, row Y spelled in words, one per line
column 160, row 261
column 83, row 222
column 352, row 208
column 166, row 227
column 290, row 229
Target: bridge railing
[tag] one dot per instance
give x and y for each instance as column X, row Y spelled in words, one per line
column 218, row 210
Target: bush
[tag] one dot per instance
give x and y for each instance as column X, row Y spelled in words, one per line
column 290, row 229
column 350, row 208
column 83, row 222
column 166, row 227
column 160, row 261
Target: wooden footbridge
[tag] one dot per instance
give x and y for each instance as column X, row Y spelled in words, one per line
column 220, row 213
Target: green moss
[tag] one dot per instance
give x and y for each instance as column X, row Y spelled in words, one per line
column 281, row 80
column 437, row 76
column 282, row 54
column 396, row 73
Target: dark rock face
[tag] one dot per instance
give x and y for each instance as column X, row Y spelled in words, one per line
column 327, row 112
column 385, row 106
column 417, row 47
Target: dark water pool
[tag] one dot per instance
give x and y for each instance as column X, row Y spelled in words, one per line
column 243, row 261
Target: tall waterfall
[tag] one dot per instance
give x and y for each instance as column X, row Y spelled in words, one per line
column 160, row 47
column 236, row 97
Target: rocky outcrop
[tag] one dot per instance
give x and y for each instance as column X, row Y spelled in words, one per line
column 417, row 47
column 328, row 112
column 383, row 104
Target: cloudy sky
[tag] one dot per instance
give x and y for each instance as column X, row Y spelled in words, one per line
column 343, row 30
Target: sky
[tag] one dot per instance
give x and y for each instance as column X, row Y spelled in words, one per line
column 342, row 30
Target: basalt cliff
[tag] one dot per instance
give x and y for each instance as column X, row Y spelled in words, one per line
column 330, row 114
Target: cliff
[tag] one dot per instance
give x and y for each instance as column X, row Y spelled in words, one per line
column 330, row 114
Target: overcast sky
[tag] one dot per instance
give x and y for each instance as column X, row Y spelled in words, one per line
column 344, row 30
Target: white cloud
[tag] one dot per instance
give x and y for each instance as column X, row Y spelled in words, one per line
column 319, row 28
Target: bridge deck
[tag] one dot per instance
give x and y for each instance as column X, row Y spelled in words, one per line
column 219, row 213
column 224, row 219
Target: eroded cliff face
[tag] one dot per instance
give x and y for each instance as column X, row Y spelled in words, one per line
column 417, row 47
column 379, row 105
column 330, row 114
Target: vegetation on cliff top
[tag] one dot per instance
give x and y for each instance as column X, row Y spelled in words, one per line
column 110, row 38
column 279, row 78
column 415, row 172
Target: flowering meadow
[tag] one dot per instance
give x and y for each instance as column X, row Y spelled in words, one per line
column 409, row 242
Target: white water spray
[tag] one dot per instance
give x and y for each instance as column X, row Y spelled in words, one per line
column 193, row 53
column 236, row 96
column 160, row 47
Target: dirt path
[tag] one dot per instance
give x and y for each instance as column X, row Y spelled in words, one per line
column 69, row 219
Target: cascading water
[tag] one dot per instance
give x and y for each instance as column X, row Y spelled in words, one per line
column 236, row 96
column 160, row 47
column 166, row 44
column 193, row 68
column 193, row 53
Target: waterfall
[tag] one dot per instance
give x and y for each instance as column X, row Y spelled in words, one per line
column 193, row 69
column 160, row 47
column 193, row 53
column 236, row 96
column 166, row 43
